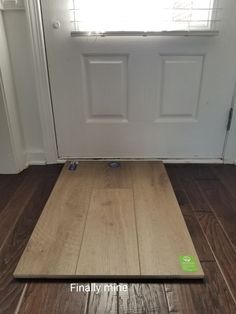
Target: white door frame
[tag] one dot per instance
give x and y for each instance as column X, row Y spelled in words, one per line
column 230, row 139
column 34, row 17
column 33, row 13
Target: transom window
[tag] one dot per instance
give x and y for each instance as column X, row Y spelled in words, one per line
column 102, row 16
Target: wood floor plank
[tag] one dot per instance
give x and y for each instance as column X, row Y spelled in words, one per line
column 223, row 204
column 52, row 298
column 210, row 296
column 222, row 248
column 57, row 236
column 8, row 186
column 187, row 176
column 15, row 207
column 162, row 232
column 110, row 241
column 198, row 171
column 227, row 175
column 16, row 239
column 143, row 298
column 104, row 301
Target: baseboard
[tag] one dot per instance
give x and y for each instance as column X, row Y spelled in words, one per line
column 229, row 162
column 35, row 158
column 193, row 161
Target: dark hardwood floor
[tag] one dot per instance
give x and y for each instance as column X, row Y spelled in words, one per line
column 207, row 196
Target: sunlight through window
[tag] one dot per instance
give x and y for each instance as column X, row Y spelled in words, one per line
column 144, row 16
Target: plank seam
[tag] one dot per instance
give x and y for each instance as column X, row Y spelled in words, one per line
column 136, row 229
column 86, row 310
column 17, row 310
column 118, row 300
column 85, row 223
column 166, row 299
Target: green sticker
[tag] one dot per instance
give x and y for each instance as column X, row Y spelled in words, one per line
column 188, row 263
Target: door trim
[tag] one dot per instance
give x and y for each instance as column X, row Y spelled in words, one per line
column 34, row 18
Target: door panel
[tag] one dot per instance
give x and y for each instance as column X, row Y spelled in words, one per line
column 180, row 97
column 165, row 97
column 106, row 98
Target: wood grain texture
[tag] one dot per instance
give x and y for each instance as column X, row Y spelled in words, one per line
column 15, row 206
column 223, row 205
column 104, row 301
column 112, row 178
column 110, row 222
column 54, row 246
column 210, row 296
column 226, row 174
column 17, row 237
column 221, row 246
column 8, row 186
column 110, row 240
column 53, row 298
column 187, row 177
column 162, row 232
column 143, row 298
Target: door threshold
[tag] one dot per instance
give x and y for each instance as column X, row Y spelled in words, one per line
column 164, row 160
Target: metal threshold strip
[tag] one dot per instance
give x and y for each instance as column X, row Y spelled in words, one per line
column 144, row 34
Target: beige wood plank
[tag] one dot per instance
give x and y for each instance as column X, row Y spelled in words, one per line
column 110, row 242
column 162, row 232
column 53, row 248
column 107, row 222
column 113, row 178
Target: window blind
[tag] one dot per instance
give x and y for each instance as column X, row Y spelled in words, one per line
column 124, row 17
column 12, row 4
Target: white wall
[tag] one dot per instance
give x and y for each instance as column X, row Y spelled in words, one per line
column 7, row 160
column 12, row 157
column 22, row 66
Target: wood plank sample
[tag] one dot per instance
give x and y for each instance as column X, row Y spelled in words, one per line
column 54, row 246
column 105, row 222
column 162, row 232
column 110, row 239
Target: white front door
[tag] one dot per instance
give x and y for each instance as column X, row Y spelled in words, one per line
column 165, row 97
